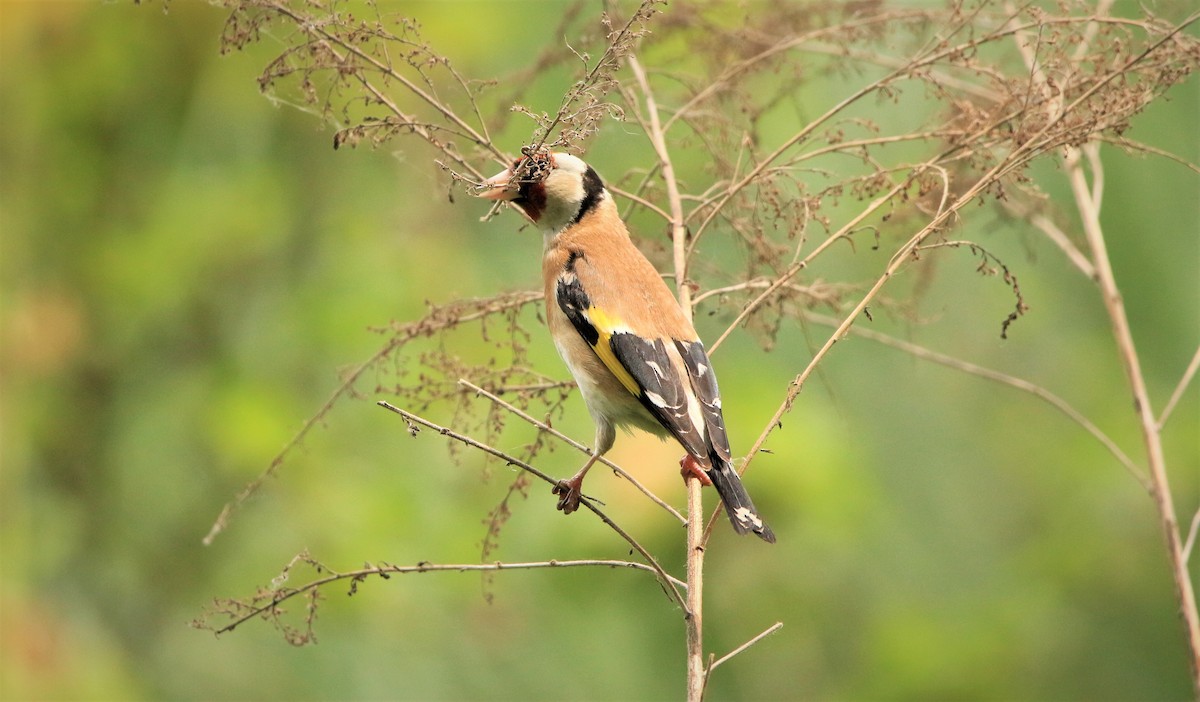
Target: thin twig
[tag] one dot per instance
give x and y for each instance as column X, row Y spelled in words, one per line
column 695, row 591
column 317, row 31
column 1056, row 236
column 804, row 133
column 1151, row 436
column 574, row 444
column 1180, row 388
column 383, row 570
column 607, row 59
column 1087, row 201
column 1137, row 146
column 769, row 630
column 1019, row 156
column 733, row 71
column 431, row 324
column 995, row 376
column 1191, row 537
column 634, row 197
column 819, row 291
column 666, row 579
column 695, row 521
column 795, row 268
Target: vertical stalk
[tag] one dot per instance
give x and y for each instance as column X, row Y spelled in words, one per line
column 695, row 512
column 1087, row 200
column 695, row 592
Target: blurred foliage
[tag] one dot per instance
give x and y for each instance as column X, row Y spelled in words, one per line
column 186, row 269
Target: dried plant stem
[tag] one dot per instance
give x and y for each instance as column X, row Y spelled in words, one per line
column 695, row 503
column 1087, row 201
column 431, row 324
column 735, row 70
column 413, row 419
column 674, row 200
column 1062, row 241
column 1088, row 197
column 696, row 677
column 1034, row 389
column 1191, row 537
column 607, row 61
column 639, row 200
column 769, row 630
column 1022, row 154
column 784, row 279
column 762, row 166
column 385, row 69
column 574, row 444
column 384, row 570
column 1180, row 388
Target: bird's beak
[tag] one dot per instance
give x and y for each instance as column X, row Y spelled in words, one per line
column 498, row 187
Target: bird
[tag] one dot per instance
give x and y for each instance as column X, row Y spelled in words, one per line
column 635, row 356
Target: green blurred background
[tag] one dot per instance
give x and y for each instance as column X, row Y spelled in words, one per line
column 186, row 269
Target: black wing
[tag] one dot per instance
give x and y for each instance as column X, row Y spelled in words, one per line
column 648, row 368
column 704, row 385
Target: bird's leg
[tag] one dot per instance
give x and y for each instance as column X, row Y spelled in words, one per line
column 571, row 489
column 688, row 465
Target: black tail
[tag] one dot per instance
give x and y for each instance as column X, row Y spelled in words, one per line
column 738, row 505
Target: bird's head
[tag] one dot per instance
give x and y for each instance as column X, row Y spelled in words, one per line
column 555, row 189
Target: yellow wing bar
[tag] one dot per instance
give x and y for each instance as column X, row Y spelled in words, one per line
column 604, row 326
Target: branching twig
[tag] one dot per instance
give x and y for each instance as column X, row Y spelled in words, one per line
column 438, row 320
column 413, row 420
column 1151, row 436
column 969, row 368
column 695, row 523
column 767, row 632
column 1184, row 381
column 620, row 43
column 1191, row 537
column 280, row 595
column 1088, row 201
column 574, row 444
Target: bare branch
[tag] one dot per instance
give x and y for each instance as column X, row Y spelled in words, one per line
column 413, row 420
column 1151, row 436
column 438, row 320
column 574, row 444
column 597, row 82
column 280, row 594
column 969, row 368
column 1191, row 537
column 767, row 632
column 695, row 523
column 1180, row 388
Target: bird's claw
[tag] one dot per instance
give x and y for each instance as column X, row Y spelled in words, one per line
column 569, row 495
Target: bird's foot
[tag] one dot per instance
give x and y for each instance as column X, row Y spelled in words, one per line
column 689, row 466
column 569, row 492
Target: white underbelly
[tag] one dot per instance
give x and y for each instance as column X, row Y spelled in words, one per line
column 607, row 400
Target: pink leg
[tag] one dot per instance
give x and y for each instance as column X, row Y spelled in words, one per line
column 689, row 466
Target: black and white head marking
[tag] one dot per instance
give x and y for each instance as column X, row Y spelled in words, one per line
column 556, row 190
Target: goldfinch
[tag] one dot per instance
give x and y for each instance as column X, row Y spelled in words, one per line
column 636, row 358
